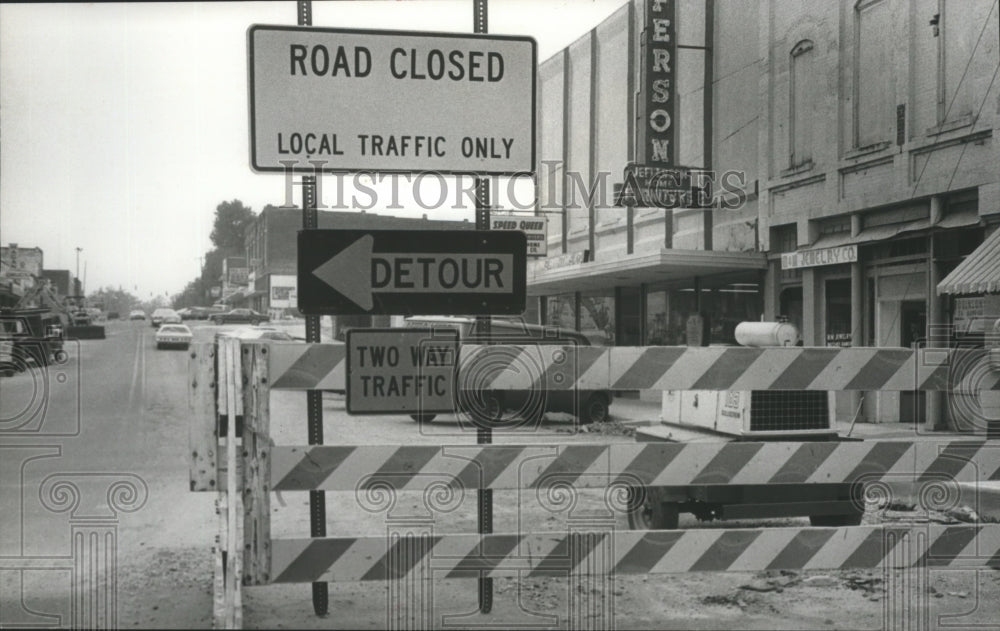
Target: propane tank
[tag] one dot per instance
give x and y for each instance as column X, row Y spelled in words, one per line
column 766, row 334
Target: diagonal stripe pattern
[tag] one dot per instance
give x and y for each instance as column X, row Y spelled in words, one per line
column 322, row 366
column 307, row 366
column 348, row 559
column 415, row 467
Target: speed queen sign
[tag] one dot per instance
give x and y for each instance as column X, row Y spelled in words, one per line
column 390, row 101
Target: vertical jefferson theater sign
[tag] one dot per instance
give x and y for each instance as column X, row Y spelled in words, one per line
column 390, row 101
column 658, row 135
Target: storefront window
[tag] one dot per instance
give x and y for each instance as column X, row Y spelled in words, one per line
column 790, row 306
column 667, row 311
column 724, row 303
column 597, row 318
column 838, row 312
column 561, row 311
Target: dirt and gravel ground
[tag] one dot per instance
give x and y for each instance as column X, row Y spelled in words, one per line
column 165, row 563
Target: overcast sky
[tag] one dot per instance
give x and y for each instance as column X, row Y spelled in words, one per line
column 122, row 126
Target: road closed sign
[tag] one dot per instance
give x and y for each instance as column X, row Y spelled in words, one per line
column 408, row 371
column 390, row 101
column 407, row 272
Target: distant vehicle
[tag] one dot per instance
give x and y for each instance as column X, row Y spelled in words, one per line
column 589, row 406
column 240, row 316
column 113, row 315
column 194, row 313
column 136, row 314
column 164, row 315
column 173, row 336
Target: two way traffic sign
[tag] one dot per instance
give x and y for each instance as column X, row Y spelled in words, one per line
column 405, row 272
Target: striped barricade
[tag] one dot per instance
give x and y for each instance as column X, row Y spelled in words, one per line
column 307, row 366
column 733, row 368
column 415, row 467
column 350, row 559
column 322, row 367
column 240, row 377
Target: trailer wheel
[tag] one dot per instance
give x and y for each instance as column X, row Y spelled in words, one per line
column 652, row 514
column 833, row 521
column 595, row 410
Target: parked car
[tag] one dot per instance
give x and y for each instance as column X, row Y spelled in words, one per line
column 136, row 314
column 263, row 333
column 164, row 315
column 184, row 313
column 240, row 316
column 173, row 336
column 195, row 313
column 113, row 315
column 588, row 406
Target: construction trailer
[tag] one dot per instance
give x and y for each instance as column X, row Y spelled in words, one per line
column 694, row 416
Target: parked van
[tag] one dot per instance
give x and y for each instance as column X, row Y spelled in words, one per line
column 588, row 406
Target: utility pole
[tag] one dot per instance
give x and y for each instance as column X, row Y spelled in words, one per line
column 78, row 250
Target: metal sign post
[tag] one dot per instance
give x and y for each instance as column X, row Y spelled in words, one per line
column 484, row 435
column 314, row 398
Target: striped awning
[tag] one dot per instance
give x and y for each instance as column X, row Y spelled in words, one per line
column 979, row 273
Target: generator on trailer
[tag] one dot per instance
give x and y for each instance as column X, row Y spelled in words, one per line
column 747, row 415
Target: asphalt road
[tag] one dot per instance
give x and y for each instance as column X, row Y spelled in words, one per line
column 94, row 485
column 92, row 473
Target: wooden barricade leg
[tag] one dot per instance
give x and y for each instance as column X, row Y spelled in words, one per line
column 219, row 577
column 256, row 469
column 203, row 439
column 230, row 406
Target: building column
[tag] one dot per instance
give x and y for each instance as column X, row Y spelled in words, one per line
column 772, row 290
column 812, row 317
column 937, row 333
column 857, row 325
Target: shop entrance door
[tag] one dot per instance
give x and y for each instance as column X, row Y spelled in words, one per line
column 913, row 331
column 629, row 304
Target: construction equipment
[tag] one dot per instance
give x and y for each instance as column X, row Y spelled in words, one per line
column 76, row 321
column 30, row 336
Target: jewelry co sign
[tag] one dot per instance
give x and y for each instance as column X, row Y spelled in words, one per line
column 815, row 258
column 390, row 101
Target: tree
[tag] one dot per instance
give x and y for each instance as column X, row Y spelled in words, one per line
column 231, row 221
column 114, row 299
column 228, row 236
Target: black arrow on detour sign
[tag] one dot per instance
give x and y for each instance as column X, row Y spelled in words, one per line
column 430, row 272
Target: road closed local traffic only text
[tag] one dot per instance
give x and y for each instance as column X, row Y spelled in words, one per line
column 391, row 101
